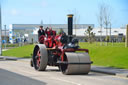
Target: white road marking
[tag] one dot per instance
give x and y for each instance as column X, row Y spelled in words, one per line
column 65, row 81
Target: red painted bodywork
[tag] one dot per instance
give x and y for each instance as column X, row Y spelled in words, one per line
column 53, row 42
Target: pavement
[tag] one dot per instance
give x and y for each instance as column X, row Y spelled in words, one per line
column 110, row 70
column 99, row 69
column 9, row 58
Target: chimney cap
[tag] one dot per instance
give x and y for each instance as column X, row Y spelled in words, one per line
column 70, row 15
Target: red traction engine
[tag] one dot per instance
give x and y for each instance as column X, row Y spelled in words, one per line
column 62, row 51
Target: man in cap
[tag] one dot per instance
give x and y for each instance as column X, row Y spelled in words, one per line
column 41, row 31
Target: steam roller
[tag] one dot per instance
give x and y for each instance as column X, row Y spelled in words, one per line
column 63, row 51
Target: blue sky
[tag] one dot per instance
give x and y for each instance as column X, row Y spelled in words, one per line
column 55, row 11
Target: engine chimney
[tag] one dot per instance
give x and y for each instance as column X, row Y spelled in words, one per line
column 70, row 26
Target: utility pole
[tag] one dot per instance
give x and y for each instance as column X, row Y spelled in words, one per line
column 126, row 40
column 5, row 37
column 110, row 33
column 0, row 33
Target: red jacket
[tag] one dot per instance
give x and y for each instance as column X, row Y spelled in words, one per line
column 51, row 33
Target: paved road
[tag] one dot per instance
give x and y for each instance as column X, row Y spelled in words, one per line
column 20, row 73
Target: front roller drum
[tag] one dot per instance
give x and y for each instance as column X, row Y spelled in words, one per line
column 77, row 63
column 40, row 57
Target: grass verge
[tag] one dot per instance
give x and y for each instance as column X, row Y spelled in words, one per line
column 24, row 51
column 110, row 56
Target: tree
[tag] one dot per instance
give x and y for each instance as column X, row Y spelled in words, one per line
column 76, row 19
column 123, row 39
column 107, row 17
column 100, row 18
column 104, row 18
column 90, row 34
column 107, row 38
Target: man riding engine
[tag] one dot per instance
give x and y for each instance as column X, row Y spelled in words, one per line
column 47, row 37
column 50, row 32
column 41, row 34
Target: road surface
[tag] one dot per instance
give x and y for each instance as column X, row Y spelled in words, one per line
column 20, row 73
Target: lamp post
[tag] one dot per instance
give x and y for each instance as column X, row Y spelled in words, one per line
column 0, row 33
column 110, row 32
column 5, row 37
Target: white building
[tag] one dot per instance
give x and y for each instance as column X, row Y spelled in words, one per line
column 31, row 31
column 114, row 31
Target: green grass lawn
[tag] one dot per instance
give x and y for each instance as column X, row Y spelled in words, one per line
column 24, row 51
column 113, row 55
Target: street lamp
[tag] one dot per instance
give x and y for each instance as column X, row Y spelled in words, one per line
column 5, row 38
column 0, row 32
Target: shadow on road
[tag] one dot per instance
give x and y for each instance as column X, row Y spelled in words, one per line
column 10, row 78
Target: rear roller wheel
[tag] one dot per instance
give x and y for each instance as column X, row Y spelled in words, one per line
column 40, row 57
column 78, row 67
